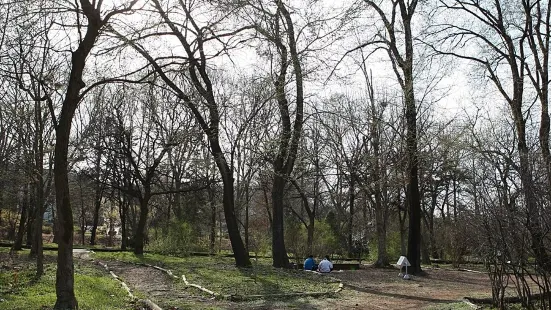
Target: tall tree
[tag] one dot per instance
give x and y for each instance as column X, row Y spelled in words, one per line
column 62, row 123
column 401, row 54
column 194, row 40
column 280, row 31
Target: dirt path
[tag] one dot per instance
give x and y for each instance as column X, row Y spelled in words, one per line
column 163, row 290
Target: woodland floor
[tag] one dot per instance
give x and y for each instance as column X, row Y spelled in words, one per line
column 367, row 288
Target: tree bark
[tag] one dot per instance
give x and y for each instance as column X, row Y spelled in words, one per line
column 228, row 201
column 98, row 194
column 139, row 238
column 290, row 135
column 123, row 209
column 279, row 252
column 18, row 243
column 65, row 292
column 414, row 199
column 352, row 198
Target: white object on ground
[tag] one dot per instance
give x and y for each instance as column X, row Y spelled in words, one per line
column 403, row 262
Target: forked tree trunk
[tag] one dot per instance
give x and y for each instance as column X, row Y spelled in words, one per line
column 290, row 132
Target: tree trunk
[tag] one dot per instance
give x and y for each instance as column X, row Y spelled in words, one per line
column 310, row 241
column 139, row 238
column 97, row 205
column 40, row 207
column 65, row 291
column 247, row 216
column 123, row 209
column 18, row 243
column 279, row 252
column 30, row 217
column 414, row 199
column 380, row 218
column 228, row 201
column 290, row 133
column 98, row 194
column 39, row 219
column 351, row 216
column 382, row 256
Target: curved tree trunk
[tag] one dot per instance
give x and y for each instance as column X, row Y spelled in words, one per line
column 228, row 201
column 290, row 133
column 65, row 291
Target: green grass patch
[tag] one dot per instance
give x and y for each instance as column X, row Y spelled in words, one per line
column 451, row 306
column 94, row 288
column 220, row 275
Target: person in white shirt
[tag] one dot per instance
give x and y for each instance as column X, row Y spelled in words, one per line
column 325, row 266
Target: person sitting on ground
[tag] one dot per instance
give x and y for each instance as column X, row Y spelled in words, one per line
column 310, row 263
column 325, row 266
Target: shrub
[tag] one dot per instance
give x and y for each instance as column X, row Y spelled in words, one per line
column 47, row 229
column 296, row 240
column 177, row 238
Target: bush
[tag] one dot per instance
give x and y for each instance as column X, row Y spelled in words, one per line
column 296, row 240
column 47, row 229
column 177, row 238
column 393, row 247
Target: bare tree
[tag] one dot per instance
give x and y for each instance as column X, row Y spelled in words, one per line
column 193, row 40
column 401, row 53
column 70, row 94
column 502, row 47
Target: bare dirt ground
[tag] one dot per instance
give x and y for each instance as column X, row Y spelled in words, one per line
column 156, row 285
column 368, row 288
column 382, row 288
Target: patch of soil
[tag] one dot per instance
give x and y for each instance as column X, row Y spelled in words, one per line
column 382, row 288
column 159, row 287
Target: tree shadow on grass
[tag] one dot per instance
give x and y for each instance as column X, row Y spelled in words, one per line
column 274, row 294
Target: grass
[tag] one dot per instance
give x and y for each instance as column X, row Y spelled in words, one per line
column 94, row 288
column 221, row 276
column 452, row 306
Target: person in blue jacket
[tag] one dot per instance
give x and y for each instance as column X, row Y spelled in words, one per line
column 310, row 263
